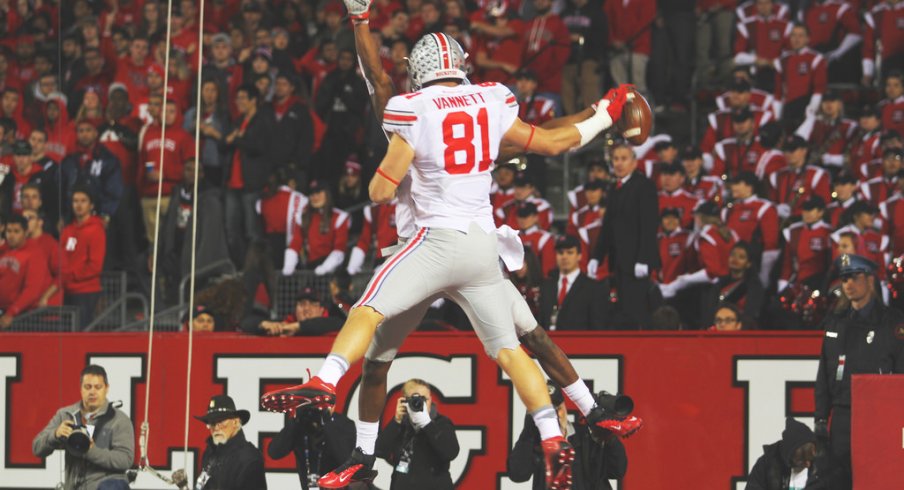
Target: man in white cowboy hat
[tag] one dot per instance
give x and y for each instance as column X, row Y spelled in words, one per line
column 229, row 461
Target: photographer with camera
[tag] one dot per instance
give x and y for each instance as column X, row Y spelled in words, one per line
column 99, row 439
column 320, row 439
column 418, row 442
column 598, row 456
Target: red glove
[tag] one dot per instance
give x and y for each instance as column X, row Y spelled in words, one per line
column 617, row 98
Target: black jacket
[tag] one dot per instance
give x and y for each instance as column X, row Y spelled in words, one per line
column 628, row 236
column 235, row 465
column 871, row 343
column 341, row 102
column 594, row 464
column 102, row 174
column 325, row 442
column 585, row 306
column 293, row 135
column 255, row 149
column 433, row 448
column 749, row 289
column 175, row 242
column 772, row 471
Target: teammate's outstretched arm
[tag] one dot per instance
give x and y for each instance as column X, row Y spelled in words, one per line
column 562, row 136
column 391, row 171
column 379, row 84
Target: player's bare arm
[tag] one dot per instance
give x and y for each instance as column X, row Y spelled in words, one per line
column 563, row 137
column 378, row 81
column 391, row 171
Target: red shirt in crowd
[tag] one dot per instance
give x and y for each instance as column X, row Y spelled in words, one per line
column 84, row 248
column 499, row 197
column 629, row 20
column 589, row 235
column 683, row 201
column 755, row 220
column 281, row 212
column 759, row 99
column 892, row 212
column 379, row 226
column 719, row 126
column 50, row 250
column 704, row 187
column 543, row 245
column 732, row 156
column 870, row 243
column 312, row 65
column 807, row 251
column 793, row 188
column 584, row 216
column 319, row 243
column 886, row 22
column 770, row 162
column 505, row 50
column 866, row 155
column 179, row 147
column 893, row 114
column 799, row 74
column 759, row 37
column 673, row 254
column 828, row 22
column 508, row 213
column 712, row 250
column 835, row 209
column 536, row 110
column 134, row 77
column 547, row 44
column 748, row 10
column 23, row 278
column 833, row 136
column 878, row 189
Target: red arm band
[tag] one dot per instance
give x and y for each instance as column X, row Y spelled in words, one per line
column 383, row 174
column 530, row 138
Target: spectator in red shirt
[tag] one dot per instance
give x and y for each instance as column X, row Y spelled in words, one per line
column 280, row 208
column 56, row 125
column 323, row 232
column 178, row 148
column 630, row 40
column 22, row 172
column 541, row 242
column 673, row 195
column 829, row 133
column 760, row 40
column 794, row 184
column 835, row 31
column 11, row 107
column 132, row 71
column 547, row 46
column 23, row 273
column 755, row 220
column 379, row 229
column 880, row 188
column 674, row 242
column 865, row 149
column 807, row 252
column 50, row 249
column 800, row 79
column 704, row 187
column 499, row 42
column 84, row 243
column 885, row 22
column 892, row 106
column 525, row 191
column 740, row 152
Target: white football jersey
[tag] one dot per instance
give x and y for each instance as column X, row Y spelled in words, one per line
column 455, row 133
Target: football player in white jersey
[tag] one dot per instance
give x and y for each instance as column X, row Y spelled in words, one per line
column 450, row 187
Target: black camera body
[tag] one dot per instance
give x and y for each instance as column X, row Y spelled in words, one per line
column 416, row 402
column 78, row 441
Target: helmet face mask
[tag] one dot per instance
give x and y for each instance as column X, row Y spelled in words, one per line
column 436, row 57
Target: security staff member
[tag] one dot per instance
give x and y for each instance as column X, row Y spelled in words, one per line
column 418, row 442
column 320, row 440
column 862, row 336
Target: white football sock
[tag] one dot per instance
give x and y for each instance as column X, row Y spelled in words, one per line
column 333, row 369
column 367, row 436
column 578, row 393
column 547, row 422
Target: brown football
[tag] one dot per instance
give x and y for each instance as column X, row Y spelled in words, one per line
column 636, row 121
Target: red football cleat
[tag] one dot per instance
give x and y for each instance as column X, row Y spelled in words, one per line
column 358, row 468
column 623, row 427
column 314, row 394
column 559, row 456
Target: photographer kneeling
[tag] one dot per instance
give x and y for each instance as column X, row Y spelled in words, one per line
column 98, row 438
column 418, row 442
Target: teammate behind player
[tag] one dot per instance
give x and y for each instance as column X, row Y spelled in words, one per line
column 454, row 251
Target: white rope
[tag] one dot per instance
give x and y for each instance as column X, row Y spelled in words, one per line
column 145, row 427
column 194, row 233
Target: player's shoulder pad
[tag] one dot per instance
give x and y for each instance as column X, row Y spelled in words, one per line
column 501, row 93
column 400, row 111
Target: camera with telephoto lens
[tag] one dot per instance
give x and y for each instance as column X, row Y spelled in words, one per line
column 415, row 402
column 78, row 441
column 618, row 405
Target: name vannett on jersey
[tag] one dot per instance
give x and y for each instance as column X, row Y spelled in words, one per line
column 459, row 101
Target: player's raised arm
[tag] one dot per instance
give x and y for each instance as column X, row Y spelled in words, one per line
column 391, row 170
column 379, row 84
column 562, row 137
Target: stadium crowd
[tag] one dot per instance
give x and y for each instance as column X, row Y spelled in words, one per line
column 800, row 160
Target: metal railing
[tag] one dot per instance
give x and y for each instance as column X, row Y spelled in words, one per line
column 49, row 319
column 168, row 320
column 115, row 316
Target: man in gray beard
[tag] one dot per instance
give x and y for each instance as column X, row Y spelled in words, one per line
column 229, row 461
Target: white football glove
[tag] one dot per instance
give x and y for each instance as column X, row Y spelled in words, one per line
column 358, row 9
